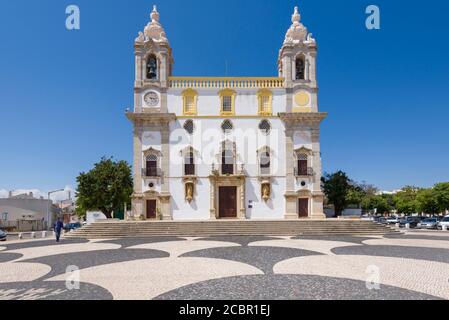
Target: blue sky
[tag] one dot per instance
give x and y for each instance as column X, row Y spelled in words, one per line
column 63, row 93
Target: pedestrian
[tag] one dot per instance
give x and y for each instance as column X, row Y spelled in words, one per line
column 58, row 229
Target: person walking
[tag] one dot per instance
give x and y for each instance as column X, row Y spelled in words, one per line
column 58, row 229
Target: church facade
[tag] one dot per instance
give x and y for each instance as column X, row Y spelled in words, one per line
column 224, row 147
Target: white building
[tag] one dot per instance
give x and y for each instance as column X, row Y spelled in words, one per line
column 211, row 148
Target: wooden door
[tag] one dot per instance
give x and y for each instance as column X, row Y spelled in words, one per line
column 228, row 202
column 151, row 209
column 303, row 206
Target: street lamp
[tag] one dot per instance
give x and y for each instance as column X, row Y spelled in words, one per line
column 48, row 207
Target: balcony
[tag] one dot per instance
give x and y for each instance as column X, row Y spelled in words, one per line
column 304, row 172
column 151, row 172
column 226, row 83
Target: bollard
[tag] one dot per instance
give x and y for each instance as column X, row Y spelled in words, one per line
column 444, row 227
column 407, row 226
column 44, row 234
column 33, row 235
column 397, row 225
column 20, row 236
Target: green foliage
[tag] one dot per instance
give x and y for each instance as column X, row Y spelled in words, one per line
column 441, row 194
column 106, row 187
column 336, row 187
column 381, row 203
column 405, row 201
column 427, row 201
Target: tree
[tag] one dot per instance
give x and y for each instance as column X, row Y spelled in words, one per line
column 405, row 200
column 380, row 203
column 441, row 193
column 106, row 187
column 336, row 188
column 427, row 201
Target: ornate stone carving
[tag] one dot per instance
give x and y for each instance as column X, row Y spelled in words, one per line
column 297, row 32
column 154, row 29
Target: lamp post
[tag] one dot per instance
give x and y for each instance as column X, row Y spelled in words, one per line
column 48, row 207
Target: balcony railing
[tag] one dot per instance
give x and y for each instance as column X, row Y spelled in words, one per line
column 304, row 172
column 151, row 172
column 222, row 83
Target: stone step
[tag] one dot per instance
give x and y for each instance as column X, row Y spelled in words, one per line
column 116, row 229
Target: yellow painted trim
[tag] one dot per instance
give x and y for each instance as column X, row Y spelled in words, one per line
column 189, row 93
column 225, row 78
column 262, row 94
column 227, row 93
column 231, row 117
column 302, row 110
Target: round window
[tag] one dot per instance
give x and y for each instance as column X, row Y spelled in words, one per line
column 189, row 126
column 265, row 126
column 227, row 126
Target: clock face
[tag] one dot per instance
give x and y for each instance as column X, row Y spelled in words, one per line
column 151, row 99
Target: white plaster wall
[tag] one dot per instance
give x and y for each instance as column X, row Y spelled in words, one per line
column 206, row 141
column 198, row 209
column 151, row 139
column 273, row 208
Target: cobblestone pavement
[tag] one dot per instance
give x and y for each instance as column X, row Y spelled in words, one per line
column 406, row 266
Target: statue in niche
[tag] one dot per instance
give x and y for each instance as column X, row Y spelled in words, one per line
column 189, row 192
column 265, row 191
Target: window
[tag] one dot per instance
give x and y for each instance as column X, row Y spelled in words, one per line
column 302, row 164
column 227, row 162
column 265, row 98
column 265, row 163
column 151, row 166
column 227, row 102
column 189, row 126
column 265, row 126
column 300, row 68
column 227, row 126
column 152, row 67
column 189, row 163
column 189, row 101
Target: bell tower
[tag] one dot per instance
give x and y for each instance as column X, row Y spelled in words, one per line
column 297, row 65
column 154, row 65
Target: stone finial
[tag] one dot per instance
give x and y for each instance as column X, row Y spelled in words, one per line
column 154, row 29
column 297, row 32
column 296, row 17
column 155, row 16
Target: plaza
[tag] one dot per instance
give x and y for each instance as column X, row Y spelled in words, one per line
column 408, row 265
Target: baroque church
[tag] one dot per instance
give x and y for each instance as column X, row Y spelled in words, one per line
column 226, row 147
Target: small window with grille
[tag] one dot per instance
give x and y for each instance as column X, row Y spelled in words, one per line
column 227, row 126
column 227, row 104
column 189, row 127
column 190, row 104
column 265, row 126
column 265, row 104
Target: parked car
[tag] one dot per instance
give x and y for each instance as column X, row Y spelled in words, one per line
column 3, row 235
column 393, row 220
column 443, row 222
column 428, row 223
column 72, row 226
column 381, row 220
column 412, row 221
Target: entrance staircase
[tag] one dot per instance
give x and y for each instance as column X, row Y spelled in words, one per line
column 133, row 229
